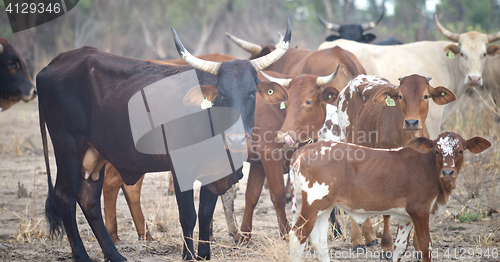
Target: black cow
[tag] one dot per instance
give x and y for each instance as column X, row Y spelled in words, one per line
column 83, row 99
column 15, row 81
column 355, row 32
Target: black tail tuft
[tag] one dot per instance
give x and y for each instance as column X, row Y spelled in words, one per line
column 53, row 217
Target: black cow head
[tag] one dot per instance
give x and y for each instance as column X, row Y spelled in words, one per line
column 237, row 82
column 15, row 81
column 352, row 32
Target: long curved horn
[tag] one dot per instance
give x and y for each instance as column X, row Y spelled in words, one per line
column 1, row 49
column 252, row 48
column 493, row 37
column 329, row 25
column 207, row 66
column 285, row 82
column 262, row 62
column 450, row 35
column 370, row 25
column 327, row 79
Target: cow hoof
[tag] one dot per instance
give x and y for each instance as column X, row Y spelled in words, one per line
column 386, row 256
column 373, row 243
column 360, row 249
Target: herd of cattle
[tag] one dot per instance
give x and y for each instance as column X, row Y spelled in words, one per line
column 370, row 110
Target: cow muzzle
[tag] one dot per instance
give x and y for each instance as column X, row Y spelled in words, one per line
column 448, row 174
column 237, row 142
column 287, row 139
column 474, row 80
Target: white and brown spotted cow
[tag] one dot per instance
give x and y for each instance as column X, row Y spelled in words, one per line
column 411, row 183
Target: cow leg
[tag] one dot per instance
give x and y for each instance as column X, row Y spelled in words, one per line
column 89, row 199
column 274, row 174
column 319, row 235
column 255, row 182
column 133, row 196
column 228, row 204
column 401, row 243
column 111, row 186
column 66, row 191
column 386, row 243
column 187, row 218
column 171, row 188
column 337, row 230
column 357, row 237
column 301, row 231
column 418, row 254
column 367, row 229
column 205, row 215
column 423, row 236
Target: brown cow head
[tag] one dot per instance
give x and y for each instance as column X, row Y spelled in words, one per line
column 471, row 50
column 306, row 107
column 413, row 97
column 448, row 149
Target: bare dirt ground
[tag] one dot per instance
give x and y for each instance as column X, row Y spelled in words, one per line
column 23, row 189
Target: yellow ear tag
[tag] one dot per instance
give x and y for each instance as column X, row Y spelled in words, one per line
column 389, row 101
column 206, row 104
column 451, row 55
column 282, row 105
column 329, row 96
column 443, row 93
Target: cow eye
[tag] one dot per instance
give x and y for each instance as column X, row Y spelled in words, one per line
column 400, row 97
column 437, row 152
column 461, row 152
column 13, row 65
column 462, row 54
column 426, row 97
column 309, row 102
column 483, row 55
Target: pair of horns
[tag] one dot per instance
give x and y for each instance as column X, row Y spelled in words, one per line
column 455, row 37
column 428, row 79
column 365, row 26
column 285, row 82
column 258, row 63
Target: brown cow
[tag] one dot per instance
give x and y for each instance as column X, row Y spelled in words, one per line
column 389, row 119
column 411, row 183
column 266, row 158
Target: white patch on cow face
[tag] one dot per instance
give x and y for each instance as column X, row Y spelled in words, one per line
column 326, row 133
column 447, row 145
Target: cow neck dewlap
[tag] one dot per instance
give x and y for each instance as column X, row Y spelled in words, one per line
column 447, row 145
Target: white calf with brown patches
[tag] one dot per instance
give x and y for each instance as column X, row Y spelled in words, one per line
column 411, row 184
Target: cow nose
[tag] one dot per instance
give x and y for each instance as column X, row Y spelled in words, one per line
column 411, row 123
column 237, row 142
column 448, row 172
column 474, row 79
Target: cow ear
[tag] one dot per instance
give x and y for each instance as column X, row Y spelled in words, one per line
column 421, row 144
column 493, row 50
column 197, row 94
column 329, row 95
column 477, row 144
column 272, row 92
column 452, row 48
column 367, row 38
column 442, row 95
column 381, row 96
column 332, row 38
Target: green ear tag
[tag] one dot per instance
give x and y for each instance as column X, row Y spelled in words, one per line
column 270, row 92
column 389, row 101
column 451, row 55
column 330, row 96
column 206, row 104
column 282, row 105
column 443, row 93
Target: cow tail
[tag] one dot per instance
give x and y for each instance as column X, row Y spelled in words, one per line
column 51, row 211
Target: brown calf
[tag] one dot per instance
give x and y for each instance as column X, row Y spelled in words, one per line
column 266, row 158
column 411, row 183
column 389, row 119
